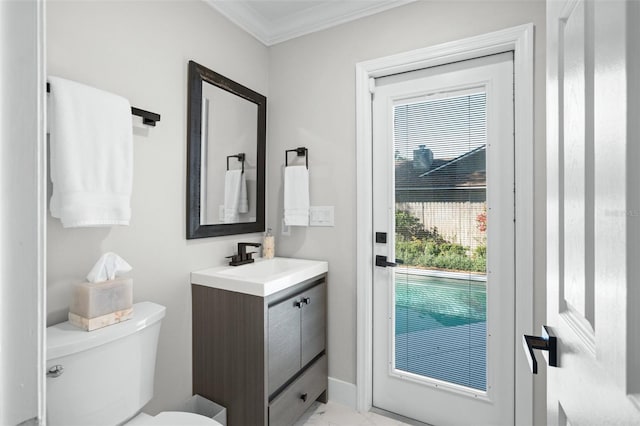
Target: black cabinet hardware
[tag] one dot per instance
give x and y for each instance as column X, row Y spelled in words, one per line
column 304, row 397
column 300, row 303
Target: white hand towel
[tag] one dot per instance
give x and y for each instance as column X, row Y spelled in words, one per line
column 235, row 195
column 296, row 196
column 91, row 146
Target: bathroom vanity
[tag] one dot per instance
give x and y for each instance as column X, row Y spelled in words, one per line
column 259, row 339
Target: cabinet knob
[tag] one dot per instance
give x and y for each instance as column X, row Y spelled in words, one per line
column 303, row 397
column 306, row 300
column 298, row 304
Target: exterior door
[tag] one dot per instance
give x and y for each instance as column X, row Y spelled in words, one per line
column 593, row 211
column 443, row 321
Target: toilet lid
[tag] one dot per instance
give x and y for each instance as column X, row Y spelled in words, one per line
column 179, row 418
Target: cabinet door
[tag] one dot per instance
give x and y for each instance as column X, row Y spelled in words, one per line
column 314, row 319
column 284, row 341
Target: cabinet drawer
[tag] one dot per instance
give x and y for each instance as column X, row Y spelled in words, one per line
column 287, row 407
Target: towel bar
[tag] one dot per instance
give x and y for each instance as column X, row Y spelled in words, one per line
column 149, row 118
column 301, row 151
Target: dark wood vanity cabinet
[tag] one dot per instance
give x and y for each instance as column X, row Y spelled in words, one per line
column 263, row 358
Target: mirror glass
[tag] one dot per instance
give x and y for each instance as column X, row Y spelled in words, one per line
column 226, row 156
column 228, row 141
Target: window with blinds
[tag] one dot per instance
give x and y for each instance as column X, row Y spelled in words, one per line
column 440, row 189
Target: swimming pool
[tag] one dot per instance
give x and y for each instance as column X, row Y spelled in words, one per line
column 440, row 328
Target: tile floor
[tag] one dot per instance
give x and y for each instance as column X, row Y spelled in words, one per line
column 334, row 414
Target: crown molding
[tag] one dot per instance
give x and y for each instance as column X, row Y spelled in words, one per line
column 318, row 17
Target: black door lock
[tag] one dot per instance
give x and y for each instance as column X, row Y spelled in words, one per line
column 381, row 237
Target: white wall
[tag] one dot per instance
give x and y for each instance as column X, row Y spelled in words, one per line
column 21, row 224
column 140, row 50
column 312, row 104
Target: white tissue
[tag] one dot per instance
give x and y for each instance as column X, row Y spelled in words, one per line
column 107, row 268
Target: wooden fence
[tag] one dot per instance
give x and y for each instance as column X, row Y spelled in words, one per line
column 456, row 221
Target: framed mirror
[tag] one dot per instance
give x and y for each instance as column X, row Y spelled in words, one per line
column 226, row 143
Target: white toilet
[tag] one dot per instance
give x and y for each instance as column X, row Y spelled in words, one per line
column 105, row 377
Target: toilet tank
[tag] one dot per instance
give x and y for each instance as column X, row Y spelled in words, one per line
column 107, row 374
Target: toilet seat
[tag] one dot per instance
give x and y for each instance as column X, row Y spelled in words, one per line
column 173, row 418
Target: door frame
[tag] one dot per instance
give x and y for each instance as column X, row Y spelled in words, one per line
column 23, row 250
column 520, row 40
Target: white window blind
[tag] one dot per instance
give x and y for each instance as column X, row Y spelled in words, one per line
column 440, row 293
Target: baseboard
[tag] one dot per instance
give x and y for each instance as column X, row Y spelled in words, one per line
column 342, row 392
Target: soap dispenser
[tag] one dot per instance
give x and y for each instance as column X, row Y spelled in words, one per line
column 268, row 245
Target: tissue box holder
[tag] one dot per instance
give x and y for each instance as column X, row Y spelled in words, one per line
column 97, row 305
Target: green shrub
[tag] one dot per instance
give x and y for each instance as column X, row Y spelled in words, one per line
column 408, row 227
column 423, row 248
column 480, row 251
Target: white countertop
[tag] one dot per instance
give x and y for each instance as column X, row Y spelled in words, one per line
column 261, row 278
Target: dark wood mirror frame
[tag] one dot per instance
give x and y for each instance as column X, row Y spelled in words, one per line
column 197, row 75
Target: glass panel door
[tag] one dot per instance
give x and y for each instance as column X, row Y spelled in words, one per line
column 443, row 321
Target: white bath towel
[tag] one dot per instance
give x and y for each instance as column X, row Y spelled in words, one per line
column 296, row 196
column 91, row 146
column 235, row 195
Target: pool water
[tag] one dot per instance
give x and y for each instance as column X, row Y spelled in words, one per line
column 440, row 328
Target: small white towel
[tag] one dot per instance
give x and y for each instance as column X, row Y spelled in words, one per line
column 235, row 195
column 296, row 196
column 91, row 146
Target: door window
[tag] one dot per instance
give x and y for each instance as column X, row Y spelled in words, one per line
column 440, row 227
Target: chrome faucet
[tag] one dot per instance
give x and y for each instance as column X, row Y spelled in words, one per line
column 243, row 257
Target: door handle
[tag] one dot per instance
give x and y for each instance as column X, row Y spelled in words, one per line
column 382, row 261
column 546, row 342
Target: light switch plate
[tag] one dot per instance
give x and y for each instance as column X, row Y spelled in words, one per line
column 321, row 216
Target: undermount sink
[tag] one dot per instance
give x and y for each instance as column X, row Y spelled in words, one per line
column 261, row 278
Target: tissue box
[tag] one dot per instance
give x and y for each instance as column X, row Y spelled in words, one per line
column 90, row 324
column 105, row 303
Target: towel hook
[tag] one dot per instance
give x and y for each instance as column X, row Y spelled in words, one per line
column 301, row 151
column 240, row 157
